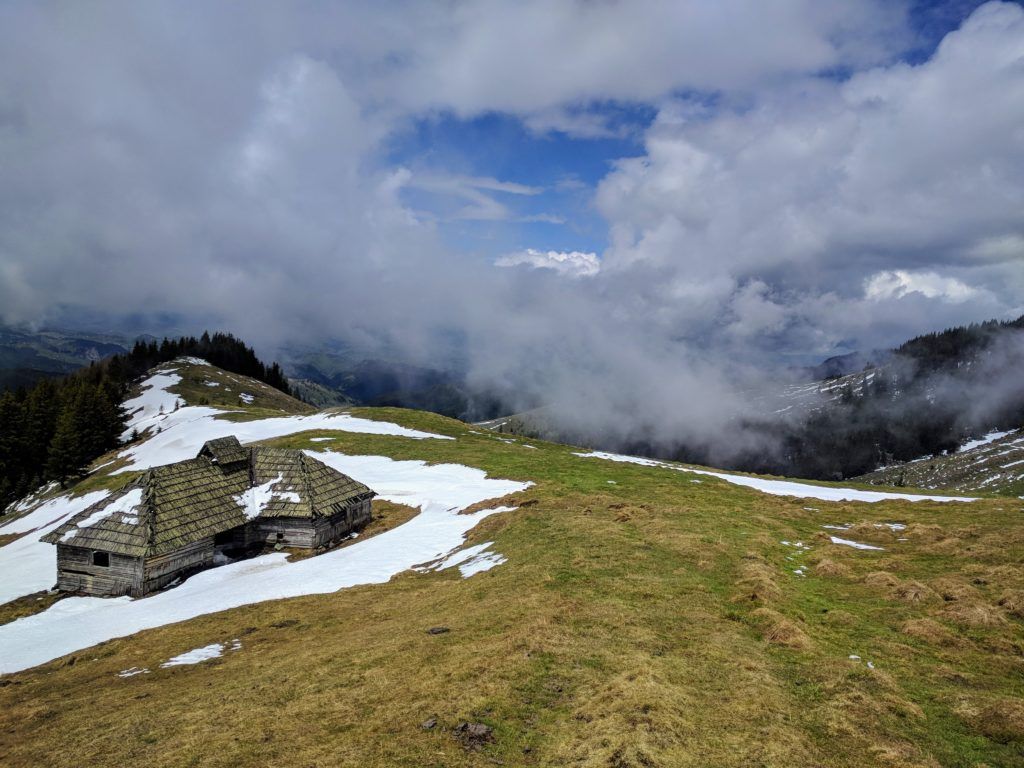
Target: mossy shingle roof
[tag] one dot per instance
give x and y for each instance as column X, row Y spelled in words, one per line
column 224, row 487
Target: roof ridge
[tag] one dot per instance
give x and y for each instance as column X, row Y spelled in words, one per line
column 307, row 486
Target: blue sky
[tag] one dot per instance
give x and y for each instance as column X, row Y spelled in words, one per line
column 563, row 169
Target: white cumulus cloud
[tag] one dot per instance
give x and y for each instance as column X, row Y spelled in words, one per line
column 569, row 263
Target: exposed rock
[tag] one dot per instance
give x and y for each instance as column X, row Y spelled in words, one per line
column 437, row 630
column 473, row 735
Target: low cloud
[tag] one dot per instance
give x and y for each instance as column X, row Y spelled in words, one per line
column 895, row 284
column 236, row 170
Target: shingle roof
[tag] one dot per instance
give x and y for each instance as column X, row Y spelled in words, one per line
column 174, row 505
column 224, row 450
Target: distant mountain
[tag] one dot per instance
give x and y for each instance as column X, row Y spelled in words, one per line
column 335, row 377
column 843, row 365
column 28, row 355
column 927, row 397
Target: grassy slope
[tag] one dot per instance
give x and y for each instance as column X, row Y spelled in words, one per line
column 267, row 401
column 653, row 622
column 997, row 467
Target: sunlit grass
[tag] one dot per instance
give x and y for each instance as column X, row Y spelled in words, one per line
column 645, row 621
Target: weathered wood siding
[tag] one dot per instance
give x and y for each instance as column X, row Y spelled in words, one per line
column 330, row 529
column 76, row 573
column 286, row 531
column 163, row 569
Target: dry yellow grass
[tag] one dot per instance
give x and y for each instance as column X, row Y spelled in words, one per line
column 928, row 630
column 654, row 622
column 828, row 567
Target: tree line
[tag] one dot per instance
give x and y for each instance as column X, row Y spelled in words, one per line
column 931, row 393
column 54, row 429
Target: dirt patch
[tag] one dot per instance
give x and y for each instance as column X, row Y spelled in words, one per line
column 473, row 735
column 1012, row 601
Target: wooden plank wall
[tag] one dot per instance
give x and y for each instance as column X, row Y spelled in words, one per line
column 76, row 573
column 163, row 569
column 331, row 529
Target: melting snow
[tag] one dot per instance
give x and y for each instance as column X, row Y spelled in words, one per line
column 991, row 437
column 441, row 491
column 854, row 544
column 211, row 383
column 125, row 505
column 254, row 500
column 471, row 560
column 183, row 431
column 153, row 405
column 246, row 398
column 196, row 655
column 132, row 671
column 28, row 565
column 779, row 487
column 187, row 429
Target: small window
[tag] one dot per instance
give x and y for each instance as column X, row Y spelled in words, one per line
column 280, row 537
column 101, row 558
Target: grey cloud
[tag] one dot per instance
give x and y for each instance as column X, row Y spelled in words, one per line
column 230, row 168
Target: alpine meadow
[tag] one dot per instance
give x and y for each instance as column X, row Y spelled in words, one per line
column 549, row 383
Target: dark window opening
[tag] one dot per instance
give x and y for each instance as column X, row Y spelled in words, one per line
column 224, row 537
column 280, row 537
column 101, row 559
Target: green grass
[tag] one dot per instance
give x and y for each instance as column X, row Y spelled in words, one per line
column 653, row 622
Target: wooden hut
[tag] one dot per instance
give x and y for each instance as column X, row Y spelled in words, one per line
column 174, row 519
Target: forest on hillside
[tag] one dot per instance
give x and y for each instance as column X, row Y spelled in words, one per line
column 54, row 429
column 928, row 395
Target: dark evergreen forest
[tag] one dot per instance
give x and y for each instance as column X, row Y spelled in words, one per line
column 925, row 398
column 53, row 430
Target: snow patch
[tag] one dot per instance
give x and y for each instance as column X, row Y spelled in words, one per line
column 152, row 405
column 125, row 506
column 779, row 487
column 195, row 656
column 186, row 430
column 28, row 565
column 254, row 501
column 471, row 560
column 246, row 398
column 441, row 491
column 854, row 544
column 133, row 671
column 991, row 437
